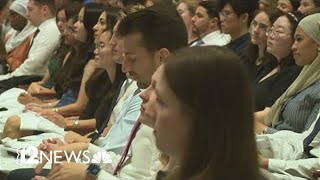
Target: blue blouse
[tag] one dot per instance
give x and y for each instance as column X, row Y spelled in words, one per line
column 299, row 111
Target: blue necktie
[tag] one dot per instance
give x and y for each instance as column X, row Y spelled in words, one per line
column 199, row 42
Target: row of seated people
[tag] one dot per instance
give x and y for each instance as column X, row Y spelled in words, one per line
column 304, row 85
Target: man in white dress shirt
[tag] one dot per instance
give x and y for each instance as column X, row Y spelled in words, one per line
column 41, row 14
column 145, row 50
column 206, row 24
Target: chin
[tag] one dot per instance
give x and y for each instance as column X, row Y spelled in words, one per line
column 142, row 85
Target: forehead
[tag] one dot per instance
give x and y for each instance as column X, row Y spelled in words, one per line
column 283, row 2
column 228, row 7
column 201, row 10
column 61, row 14
column 282, row 21
column 262, row 16
column 182, row 6
column 132, row 41
column 300, row 31
column 307, row 1
column 103, row 15
column 32, row 4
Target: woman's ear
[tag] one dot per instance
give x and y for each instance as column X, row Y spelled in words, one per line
column 164, row 54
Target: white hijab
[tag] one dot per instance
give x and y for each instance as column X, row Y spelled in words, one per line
column 18, row 37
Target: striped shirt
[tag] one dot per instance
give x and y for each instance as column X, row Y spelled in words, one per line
column 299, row 111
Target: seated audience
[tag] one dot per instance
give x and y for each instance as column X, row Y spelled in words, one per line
column 235, row 17
column 279, row 70
column 267, row 4
column 66, row 18
column 186, row 9
column 45, row 40
column 71, row 79
column 307, row 6
column 143, row 159
column 297, row 107
column 18, row 39
column 261, row 23
column 288, row 5
column 183, row 119
column 206, row 24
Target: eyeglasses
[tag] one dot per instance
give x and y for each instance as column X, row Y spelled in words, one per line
column 225, row 13
column 275, row 32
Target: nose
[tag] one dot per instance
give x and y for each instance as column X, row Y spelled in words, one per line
column 221, row 18
column 255, row 29
column 294, row 46
column 96, row 51
column 193, row 19
column 300, row 9
column 113, row 41
column 95, row 28
column 125, row 65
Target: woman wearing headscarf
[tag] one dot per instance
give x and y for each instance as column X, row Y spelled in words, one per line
column 296, row 155
column 297, row 108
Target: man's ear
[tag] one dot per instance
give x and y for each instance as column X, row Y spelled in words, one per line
column 244, row 18
column 214, row 22
column 163, row 55
column 45, row 9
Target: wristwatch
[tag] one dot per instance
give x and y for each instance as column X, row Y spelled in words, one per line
column 93, row 171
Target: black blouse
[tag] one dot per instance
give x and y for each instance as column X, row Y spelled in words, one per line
column 269, row 90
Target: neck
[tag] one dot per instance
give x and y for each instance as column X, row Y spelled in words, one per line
column 111, row 71
column 237, row 34
column 261, row 51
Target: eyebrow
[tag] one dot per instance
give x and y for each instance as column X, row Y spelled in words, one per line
column 277, row 27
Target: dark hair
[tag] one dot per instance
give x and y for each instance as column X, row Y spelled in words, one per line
column 131, row 2
column 160, row 27
column 3, row 4
column 241, row 7
column 111, row 18
column 211, row 7
column 294, row 18
column 71, row 73
column 295, row 4
column 317, row 3
column 92, row 12
column 253, row 50
column 50, row 3
column 221, row 145
column 72, row 10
